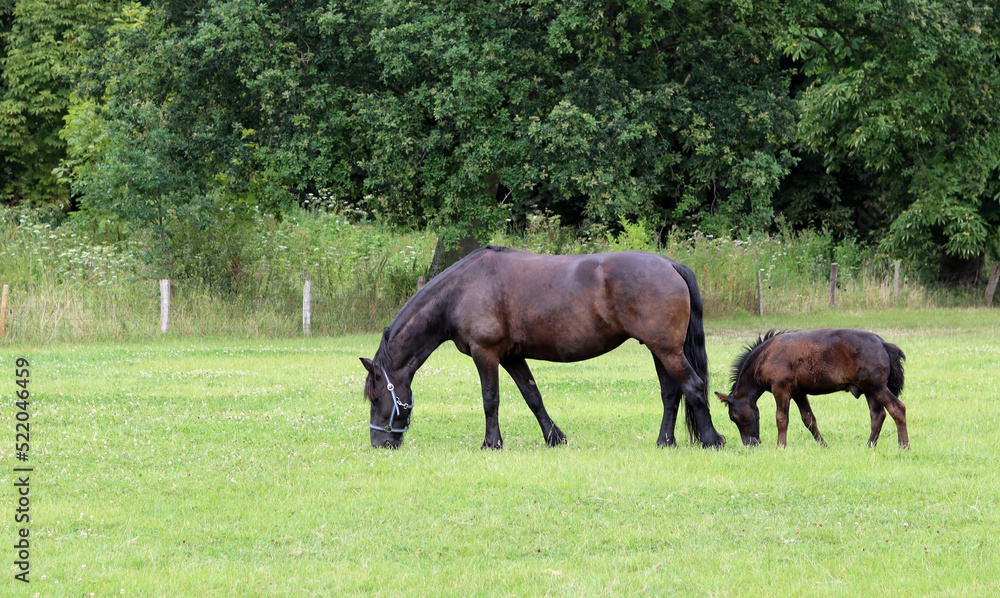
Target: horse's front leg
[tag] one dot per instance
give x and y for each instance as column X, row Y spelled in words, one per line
column 782, row 398
column 489, row 377
column 519, row 372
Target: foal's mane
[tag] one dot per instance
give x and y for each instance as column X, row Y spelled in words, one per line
column 749, row 355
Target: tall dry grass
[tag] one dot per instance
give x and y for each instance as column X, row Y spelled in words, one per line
column 66, row 284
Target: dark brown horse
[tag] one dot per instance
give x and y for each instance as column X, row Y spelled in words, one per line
column 502, row 306
column 792, row 365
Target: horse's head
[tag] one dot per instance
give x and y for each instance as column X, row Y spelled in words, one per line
column 391, row 403
column 743, row 411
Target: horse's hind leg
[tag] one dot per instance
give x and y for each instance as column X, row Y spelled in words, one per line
column 670, row 392
column 679, row 370
column 518, row 370
column 805, row 410
column 897, row 410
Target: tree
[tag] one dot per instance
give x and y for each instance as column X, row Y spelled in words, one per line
column 906, row 91
column 603, row 112
column 42, row 44
column 450, row 114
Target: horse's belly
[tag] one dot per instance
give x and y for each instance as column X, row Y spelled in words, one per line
column 569, row 349
column 567, row 336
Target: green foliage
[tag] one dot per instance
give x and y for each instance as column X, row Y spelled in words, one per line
column 87, row 279
column 634, row 236
column 175, row 120
column 453, row 116
column 908, row 90
column 41, row 51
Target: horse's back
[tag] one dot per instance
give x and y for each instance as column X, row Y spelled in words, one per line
column 565, row 308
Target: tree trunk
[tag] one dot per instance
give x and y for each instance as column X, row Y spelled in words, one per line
column 991, row 287
column 445, row 256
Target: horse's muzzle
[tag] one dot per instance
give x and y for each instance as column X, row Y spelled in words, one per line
column 384, row 440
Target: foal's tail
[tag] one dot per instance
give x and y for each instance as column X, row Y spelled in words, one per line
column 694, row 348
column 896, row 359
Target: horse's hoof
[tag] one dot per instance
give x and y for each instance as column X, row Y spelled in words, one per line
column 666, row 443
column 716, row 443
column 496, row 446
column 556, row 437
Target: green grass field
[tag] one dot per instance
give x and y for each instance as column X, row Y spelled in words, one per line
column 203, row 467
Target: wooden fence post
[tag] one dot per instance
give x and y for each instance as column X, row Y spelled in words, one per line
column 895, row 280
column 3, row 309
column 164, row 304
column 991, row 286
column 307, row 298
column 760, row 295
column 833, row 284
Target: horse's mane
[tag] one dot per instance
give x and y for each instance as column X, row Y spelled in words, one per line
column 430, row 291
column 749, row 355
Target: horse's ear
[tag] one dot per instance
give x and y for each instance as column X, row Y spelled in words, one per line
column 723, row 397
column 368, row 365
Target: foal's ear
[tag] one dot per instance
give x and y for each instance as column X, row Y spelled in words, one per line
column 723, row 397
column 368, row 365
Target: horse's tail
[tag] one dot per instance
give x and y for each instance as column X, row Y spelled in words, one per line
column 896, row 359
column 694, row 347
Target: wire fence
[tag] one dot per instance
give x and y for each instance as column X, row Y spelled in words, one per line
column 72, row 313
column 149, row 308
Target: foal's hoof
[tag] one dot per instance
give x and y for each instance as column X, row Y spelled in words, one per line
column 555, row 437
column 666, row 442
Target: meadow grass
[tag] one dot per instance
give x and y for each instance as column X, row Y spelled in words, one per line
column 219, row 467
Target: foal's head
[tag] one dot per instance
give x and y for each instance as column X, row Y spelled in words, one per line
column 742, row 398
column 744, row 413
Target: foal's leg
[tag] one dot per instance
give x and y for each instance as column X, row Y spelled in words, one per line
column 489, row 377
column 783, row 399
column 877, row 412
column 897, row 410
column 670, row 393
column 808, row 418
column 518, row 370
